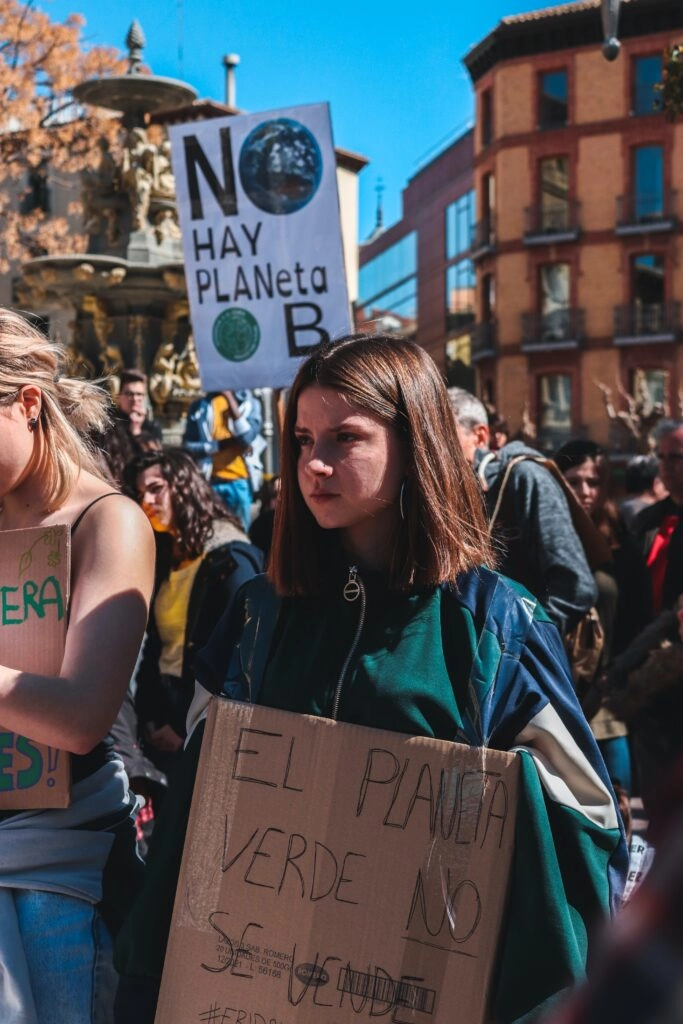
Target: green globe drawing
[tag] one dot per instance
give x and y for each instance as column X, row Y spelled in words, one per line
column 236, row 334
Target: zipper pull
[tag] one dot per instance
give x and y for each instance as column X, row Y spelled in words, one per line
column 352, row 586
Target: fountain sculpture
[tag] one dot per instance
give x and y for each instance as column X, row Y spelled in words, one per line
column 127, row 292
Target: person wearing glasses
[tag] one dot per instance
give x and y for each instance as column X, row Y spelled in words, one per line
column 133, row 403
column 129, row 431
column 659, row 528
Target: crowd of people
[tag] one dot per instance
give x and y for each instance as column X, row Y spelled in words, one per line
column 403, row 529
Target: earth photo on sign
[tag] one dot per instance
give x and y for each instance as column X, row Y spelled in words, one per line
column 280, row 166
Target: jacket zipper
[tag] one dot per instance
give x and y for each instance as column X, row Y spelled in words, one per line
column 353, row 589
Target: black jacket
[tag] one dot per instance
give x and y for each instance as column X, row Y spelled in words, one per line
column 228, row 563
column 645, row 528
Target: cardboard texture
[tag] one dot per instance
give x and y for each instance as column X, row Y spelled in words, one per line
column 335, row 873
column 34, row 599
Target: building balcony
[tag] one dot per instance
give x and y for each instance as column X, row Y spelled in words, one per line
column 484, row 340
column 642, row 212
column 483, row 237
column 458, row 321
column 546, row 225
column 561, row 329
column 643, row 323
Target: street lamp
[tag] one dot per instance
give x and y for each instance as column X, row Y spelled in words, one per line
column 609, row 10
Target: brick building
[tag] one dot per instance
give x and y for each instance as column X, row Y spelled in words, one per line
column 578, row 246
column 416, row 277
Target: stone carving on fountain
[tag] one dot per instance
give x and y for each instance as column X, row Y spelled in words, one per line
column 127, row 293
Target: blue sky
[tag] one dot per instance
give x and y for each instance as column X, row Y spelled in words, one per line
column 391, row 70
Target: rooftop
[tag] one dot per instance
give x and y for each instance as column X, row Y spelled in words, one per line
column 565, row 26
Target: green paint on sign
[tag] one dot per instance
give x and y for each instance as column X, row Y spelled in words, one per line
column 236, row 334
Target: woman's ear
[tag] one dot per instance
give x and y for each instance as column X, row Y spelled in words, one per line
column 30, row 399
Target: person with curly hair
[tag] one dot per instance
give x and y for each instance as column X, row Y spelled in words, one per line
column 202, row 558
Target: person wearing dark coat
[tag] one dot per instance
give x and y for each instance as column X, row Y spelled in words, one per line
column 203, row 557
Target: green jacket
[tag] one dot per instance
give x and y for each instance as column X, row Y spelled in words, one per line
column 478, row 663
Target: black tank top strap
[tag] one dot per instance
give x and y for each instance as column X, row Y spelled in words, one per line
column 109, row 494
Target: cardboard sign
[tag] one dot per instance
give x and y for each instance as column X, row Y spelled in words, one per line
column 34, row 598
column 335, row 873
column 259, row 213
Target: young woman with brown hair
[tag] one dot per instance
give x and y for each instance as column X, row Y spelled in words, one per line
column 56, row 866
column 379, row 610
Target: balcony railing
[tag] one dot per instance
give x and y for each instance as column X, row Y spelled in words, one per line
column 484, row 340
column 483, row 237
column 563, row 328
column 645, row 211
column 643, row 322
column 545, row 224
column 458, row 320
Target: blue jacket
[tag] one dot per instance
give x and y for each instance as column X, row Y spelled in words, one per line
column 199, row 439
column 481, row 663
column 509, row 687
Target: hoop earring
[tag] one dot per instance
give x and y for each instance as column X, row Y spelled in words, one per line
column 32, row 424
column 401, row 494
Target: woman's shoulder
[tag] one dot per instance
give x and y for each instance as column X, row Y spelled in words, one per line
column 94, row 502
column 497, row 600
column 225, row 532
column 109, row 526
column 229, row 545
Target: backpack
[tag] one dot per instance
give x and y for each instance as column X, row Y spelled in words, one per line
column 584, row 643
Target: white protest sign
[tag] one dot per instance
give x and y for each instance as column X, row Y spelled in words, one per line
column 259, row 212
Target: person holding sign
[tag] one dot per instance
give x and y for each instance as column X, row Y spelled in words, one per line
column 60, row 868
column 379, row 610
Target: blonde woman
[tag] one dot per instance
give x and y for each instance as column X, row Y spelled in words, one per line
column 58, row 868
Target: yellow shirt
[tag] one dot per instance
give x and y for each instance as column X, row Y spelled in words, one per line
column 225, row 467
column 171, row 606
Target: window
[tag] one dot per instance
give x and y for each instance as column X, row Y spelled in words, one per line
column 647, row 275
column 460, row 284
column 555, row 410
column 554, row 288
column 488, row 195
column 459, row 225
column 648, row 183
column 486, row 115
column 647, row 72
column 652, row 385
column 459, row 369
column 553, row 106
column 554, row 187
column 387, row 287
column 484, row 234
column 488, row 297
column 648, row 291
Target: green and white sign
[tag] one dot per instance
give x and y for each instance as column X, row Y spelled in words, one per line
column 259, row 212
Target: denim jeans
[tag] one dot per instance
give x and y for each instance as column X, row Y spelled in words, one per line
column 68, row 952
column 236, row 494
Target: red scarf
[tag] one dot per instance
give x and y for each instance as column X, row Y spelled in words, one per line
column 658, row 557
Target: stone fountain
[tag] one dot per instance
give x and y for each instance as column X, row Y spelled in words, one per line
column 127, row 292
